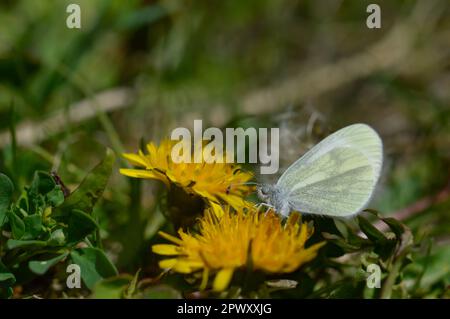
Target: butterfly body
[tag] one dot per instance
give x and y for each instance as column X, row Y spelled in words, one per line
column 336, row 177
column 275, row 197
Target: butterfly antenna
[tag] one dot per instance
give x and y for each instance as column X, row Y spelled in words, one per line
column 237, row 184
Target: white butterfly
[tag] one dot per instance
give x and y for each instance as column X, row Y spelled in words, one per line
column 337, row 177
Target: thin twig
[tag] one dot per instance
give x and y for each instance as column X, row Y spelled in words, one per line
column 417, row 207
column 29, row 133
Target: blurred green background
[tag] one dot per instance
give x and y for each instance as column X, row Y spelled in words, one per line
column 138, row 69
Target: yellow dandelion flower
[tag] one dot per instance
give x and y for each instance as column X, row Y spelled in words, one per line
column 215, row 182
column 224, row 244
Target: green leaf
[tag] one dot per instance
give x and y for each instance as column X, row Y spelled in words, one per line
column 42, row 183
column 80, row 225
column 132, row 287
column 6, row 293
column 160, row 292
column 94, row 265
column 6, row 192
column 371, row 231
column 340, row 242
column 7, row 278
column 349, row 234
column 341, row 227
column 13, row 243
column 57, row 238
column 33, row 226
column 17, row 225
column 40, row 267
column 112, row 288
column 56, row 196
column 397, row 227
column 91, row 188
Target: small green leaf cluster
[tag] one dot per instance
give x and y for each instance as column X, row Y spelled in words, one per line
column 44, row 226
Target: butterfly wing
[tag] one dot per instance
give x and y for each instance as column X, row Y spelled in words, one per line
column 336, row 177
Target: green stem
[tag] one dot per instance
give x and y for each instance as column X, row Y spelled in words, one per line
column 386, row 291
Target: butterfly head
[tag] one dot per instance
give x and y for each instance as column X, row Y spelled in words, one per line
column 265, row 192
column 274, row 197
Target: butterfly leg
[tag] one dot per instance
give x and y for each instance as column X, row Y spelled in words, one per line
column 259, row 205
